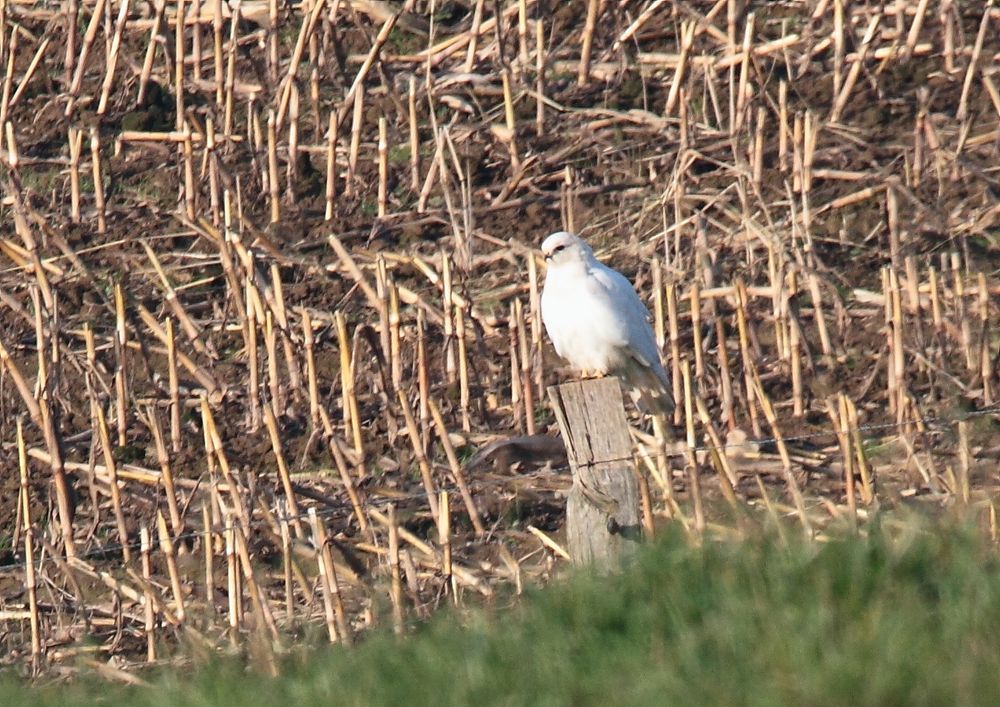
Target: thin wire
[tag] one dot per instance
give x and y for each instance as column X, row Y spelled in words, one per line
column 263, row 522
column 939, row 421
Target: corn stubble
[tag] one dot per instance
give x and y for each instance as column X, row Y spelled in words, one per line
column 304, row 232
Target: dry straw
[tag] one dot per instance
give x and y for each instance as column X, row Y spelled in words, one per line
column 181, row 349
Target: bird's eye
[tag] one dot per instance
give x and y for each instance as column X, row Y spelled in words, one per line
column 555, row 250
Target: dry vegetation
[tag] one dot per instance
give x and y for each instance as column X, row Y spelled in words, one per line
column 269, row 283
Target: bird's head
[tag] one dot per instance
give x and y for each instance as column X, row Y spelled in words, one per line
column 563, row 248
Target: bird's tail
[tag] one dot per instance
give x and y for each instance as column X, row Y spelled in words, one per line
column 648, row 389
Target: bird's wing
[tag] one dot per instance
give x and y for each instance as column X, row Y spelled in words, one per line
column 634, row 318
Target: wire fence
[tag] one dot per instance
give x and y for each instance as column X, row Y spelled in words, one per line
column 935, row 422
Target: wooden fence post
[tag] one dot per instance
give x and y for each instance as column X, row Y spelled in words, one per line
column 602, row 511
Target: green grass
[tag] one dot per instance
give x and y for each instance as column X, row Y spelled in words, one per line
column 878, row 621
column 399, row 154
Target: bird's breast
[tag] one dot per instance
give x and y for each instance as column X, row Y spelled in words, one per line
column 581, row 321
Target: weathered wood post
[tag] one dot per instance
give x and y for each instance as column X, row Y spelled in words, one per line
column 602, row 511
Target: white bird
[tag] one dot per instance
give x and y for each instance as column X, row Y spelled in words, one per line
column 598, row 323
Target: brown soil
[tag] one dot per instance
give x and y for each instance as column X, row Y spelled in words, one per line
column 625, row 170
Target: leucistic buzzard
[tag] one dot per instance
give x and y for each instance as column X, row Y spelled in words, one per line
column 598, row 323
